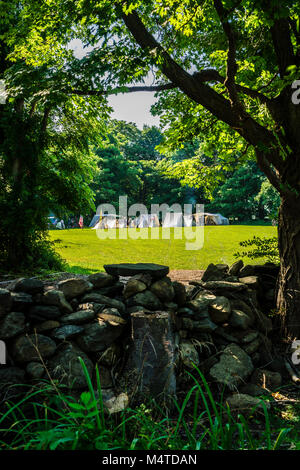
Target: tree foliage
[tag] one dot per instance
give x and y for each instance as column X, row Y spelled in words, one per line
column 269, row 198
column 130, row 165
column 45, row 134
column 237, row 196
column 223, row 69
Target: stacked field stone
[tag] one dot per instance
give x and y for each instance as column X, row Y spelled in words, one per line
column 142, row 330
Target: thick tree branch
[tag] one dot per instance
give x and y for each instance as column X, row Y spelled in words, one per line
column 231, row 59
column 212, row 75
column 201, row 93
column 266, row 168
column 254, row 94
column 193, row 88
column 209, row 75
column 167, row 86
column 283, row 45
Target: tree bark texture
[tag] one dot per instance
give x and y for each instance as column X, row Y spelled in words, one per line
column 288, row 299
column 151, row 362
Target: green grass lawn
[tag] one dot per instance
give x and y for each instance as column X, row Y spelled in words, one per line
column 86, row 253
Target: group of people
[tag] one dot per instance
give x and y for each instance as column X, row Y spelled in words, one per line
column 56, row 223
column 60, row 224
column 111, row 221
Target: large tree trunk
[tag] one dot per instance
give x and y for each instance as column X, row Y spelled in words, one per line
column 288, row 299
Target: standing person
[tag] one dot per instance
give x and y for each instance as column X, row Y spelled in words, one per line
column 80, row 223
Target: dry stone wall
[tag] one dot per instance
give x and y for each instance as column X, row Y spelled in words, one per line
column 143, row 331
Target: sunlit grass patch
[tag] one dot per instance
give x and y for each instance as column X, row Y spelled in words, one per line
column 85, row 252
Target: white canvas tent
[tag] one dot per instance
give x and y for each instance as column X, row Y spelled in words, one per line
column 122, row 222
column 173, row 219
column 177, row 219
column 188, row 220
column 108, row 221
column 94, row 220
column 207, row 218
column 146, row 220
column 116, row 221
column 223, row 220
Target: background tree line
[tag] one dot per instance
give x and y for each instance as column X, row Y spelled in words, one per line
column 129, row 163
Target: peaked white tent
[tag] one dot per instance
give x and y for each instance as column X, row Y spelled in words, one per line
column 223, row 220
column 173, row 219
column 94, row 220
column 188, row 220
column 108, row 221
column 116, row 221
column 146, row 220
column 207, row 218
column 177, row 219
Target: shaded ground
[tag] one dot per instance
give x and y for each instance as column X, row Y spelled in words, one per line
column 186, row 275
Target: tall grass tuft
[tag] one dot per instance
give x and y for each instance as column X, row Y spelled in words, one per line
column 45, row 419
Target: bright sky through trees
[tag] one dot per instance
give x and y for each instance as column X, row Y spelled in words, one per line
column 132, row 107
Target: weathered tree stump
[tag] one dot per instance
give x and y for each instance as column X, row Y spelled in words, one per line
column 151, row 363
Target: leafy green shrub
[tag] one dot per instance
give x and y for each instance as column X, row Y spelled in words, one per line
column 45, row 258
column 38, row 255
column 260, row 248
